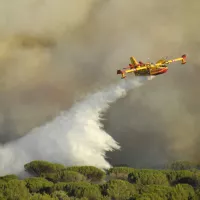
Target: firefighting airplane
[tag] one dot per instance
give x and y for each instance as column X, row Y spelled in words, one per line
column 149, row 69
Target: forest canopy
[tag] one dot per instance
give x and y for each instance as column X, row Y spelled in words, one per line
column 53, row 181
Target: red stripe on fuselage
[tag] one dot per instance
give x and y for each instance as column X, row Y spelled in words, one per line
column 162, row 71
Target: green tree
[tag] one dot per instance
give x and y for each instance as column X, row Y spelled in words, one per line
column 91, row 173
column 40, row 167
column 148, row 196
column 119, row 172
column 118, row 189
column 38, row 184
column 9, row 177
column 148, row 177
column 106, row 198
column 60, row 195
column 197, row 192
column 196, row 179
column 65, row 176
column 182, row 165
column 2, row 197
column 190, row 191
column 181, row 176
column 179, row 193
column 78, row 189
column 14, row 190
column 161, row 190
column 57, row 182
column 37, row 196
column 58, row 187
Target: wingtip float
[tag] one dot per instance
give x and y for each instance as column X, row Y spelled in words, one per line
column 149, row 69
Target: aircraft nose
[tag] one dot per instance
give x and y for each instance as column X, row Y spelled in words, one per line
column 165, row 70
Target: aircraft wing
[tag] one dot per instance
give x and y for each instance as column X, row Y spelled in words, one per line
column 161, row 61
column 182, row 59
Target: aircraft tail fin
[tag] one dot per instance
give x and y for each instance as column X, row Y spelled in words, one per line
column 122, row 73
column 119, row 71
column 184, row 58
column 133, row 61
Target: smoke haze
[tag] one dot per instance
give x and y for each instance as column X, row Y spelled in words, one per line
column 75, row 137
column 53, row 53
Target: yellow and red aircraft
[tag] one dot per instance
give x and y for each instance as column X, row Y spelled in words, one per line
column 149, row 69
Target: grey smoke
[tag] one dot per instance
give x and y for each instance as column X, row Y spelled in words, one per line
column 53, row 53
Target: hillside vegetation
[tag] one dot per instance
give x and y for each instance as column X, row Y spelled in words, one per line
column 50, row 181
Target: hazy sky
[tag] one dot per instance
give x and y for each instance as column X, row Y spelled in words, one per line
column 53, row 53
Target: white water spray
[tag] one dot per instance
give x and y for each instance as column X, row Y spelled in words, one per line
column 75, row 137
